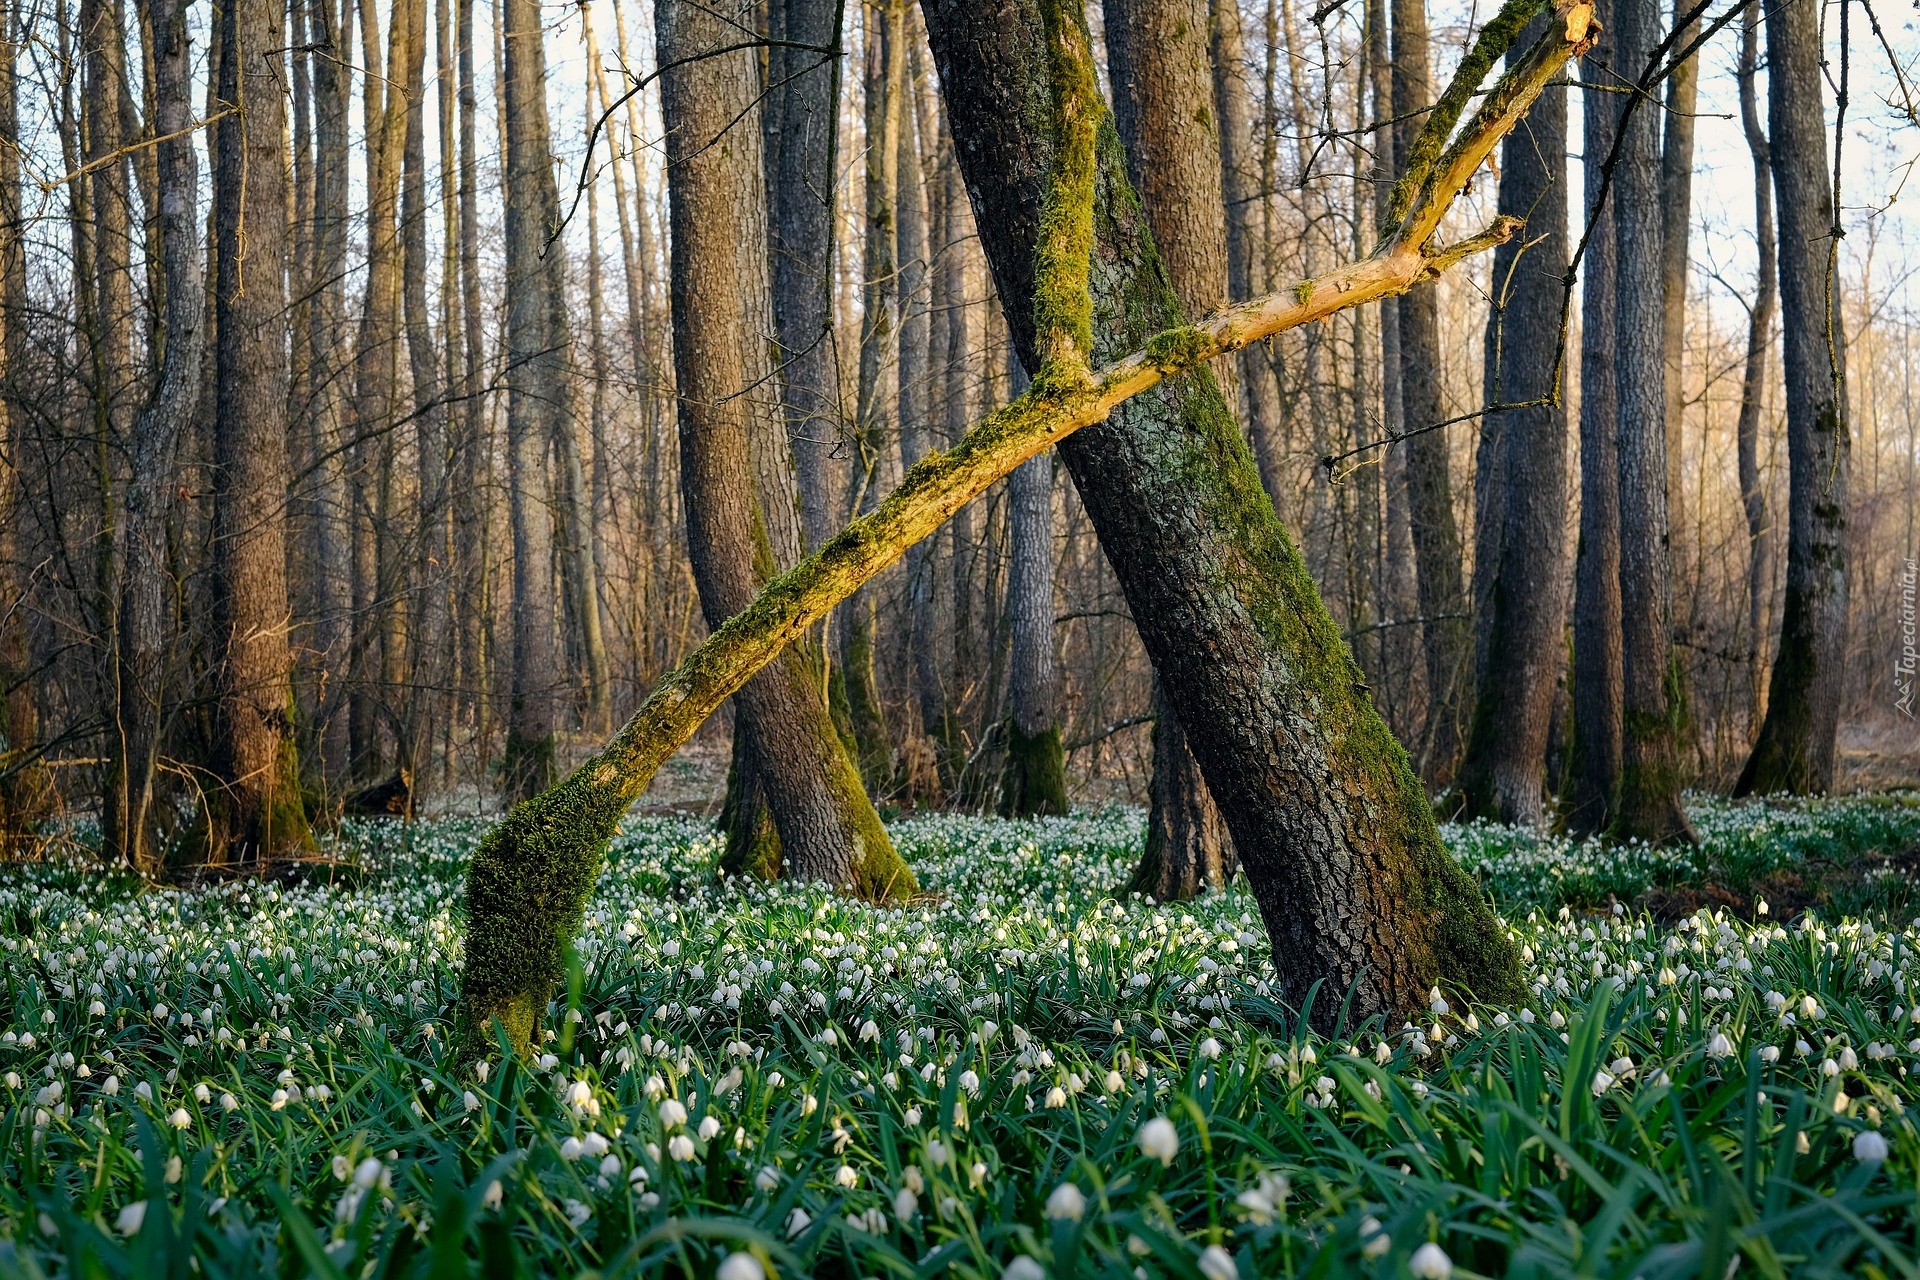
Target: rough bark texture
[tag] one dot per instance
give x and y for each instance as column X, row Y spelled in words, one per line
column 1520, row 585
column 1676, row 219
column 1795, row 750
column 1649, row 771
column 1593, row 791
column 1438, row 571
column 144, row 583
column 1033, row 779
column 534, row 372
column 254, row 811
column 1163, row 78
column 1331, row 825
column 1753, row 385
column 827, row 827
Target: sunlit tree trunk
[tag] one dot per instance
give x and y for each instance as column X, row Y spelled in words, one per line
column 1753, row 385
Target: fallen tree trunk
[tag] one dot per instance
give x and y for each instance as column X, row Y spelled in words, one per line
column 531, row 877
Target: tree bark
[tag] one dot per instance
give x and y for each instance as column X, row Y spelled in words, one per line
column 1676, row 218
column 1795, row 750
column 1753, row 385
column 1163, row 84
column 471, row 508
column 1520, row 585
column 1593, row 792
column 528, row 889
column 1438, row 572
column 1649, row 777
column 1033, row 777
column 144, row 582
column 254, row 812
column 827, row 827
column 535, row 370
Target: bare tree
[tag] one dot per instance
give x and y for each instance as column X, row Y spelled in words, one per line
column 1760, row 316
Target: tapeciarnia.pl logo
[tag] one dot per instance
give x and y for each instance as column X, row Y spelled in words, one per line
column 1909, row 661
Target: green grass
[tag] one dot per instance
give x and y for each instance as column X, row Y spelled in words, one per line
column 903, row 1092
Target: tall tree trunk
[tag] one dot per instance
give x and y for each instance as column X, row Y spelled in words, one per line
column 254, row 810
column 452, row 375
column 828, row 829
column 1521, row 581
column 878, row 335
column 1033, row 777
column 1331, row 825
column 109, row 204
column 1649, row 776
column 1753, row 385
column 1676, row 216
column 1438, row 571
column 144, row 583
column 1593, row 791
column 1163, row 86
column 535, row 370
column 26, row 792
column 1795, row 750
column 957, row 356
column 580, row 540
column 472, row 511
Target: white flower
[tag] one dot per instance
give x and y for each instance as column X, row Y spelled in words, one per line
column 680, row 1147
column 201, row 1093
column 1829, row 1068
column 179, row 1119
column 845, row 1176
column 1770, row 1053
column 1263, row 1201
column 1210, row 1049
column 1720, row 1046
column 912, row 1116
column 229, row 1103
column 96, row 1009
column 709, row 1127
column 797, row 1221
column 130, row 1218
column 869, row 1030
column 741, row 1266
column 143, row 1091
column 1869, row 1147
column 1430, row 1262
column 577, row 1213
column 1217, row 1264
column 570, row 1149
column 767, row 1179
column 1159, row 1140
column 1023, row 1268
column 1374, row 1240
column 1066, row 1202
column 579, row 1094
column 672, row 1113
column 468, row 1100
column 970, row 1081
column 110, row 1086
column 1114, row 1083
column 342, row 1168
column 905, row 1204
column 1056, row 1097
column 1849, row 1060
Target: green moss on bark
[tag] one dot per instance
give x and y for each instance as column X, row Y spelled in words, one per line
column 527, row 767
column 1033, row 777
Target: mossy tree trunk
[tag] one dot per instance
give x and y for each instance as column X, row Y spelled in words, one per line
column 733, row 467
column 254, row 810
column 1164, row 86
column 1649, row 765
column 1795, row 750
column 531, row 877
column 1520, row 587
column 1331, row 825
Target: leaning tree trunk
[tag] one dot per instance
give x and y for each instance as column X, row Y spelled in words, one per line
column 1438, row 572
column 1795, row 750
column 1163, row 86
column 827, row 827
column 1649, row 774
column 1523, row 474
column 531, row 877
column 535, row 370
column 254, row 811
column 1331, row 825
column 155, row 444
column 1593, row 788
column 1753, row 385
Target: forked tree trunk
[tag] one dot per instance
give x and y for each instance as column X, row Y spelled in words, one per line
column 528, row 888
column 144, row 630
column 1520, row 588
column 827, row 827
column 1163, row 84
column 1593, row 791
column 1330, row 824
column 254, row 810
column 1795, row 750
column 1649, row 766
column 1753, row 385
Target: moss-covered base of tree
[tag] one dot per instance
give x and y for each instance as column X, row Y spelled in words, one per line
column 1782, row 756
column 528, row 766
column 1649, row 808
column 1033, row 775
column 246, row 828
column 753, row 842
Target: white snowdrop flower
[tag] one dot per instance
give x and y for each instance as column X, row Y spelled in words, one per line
column 912, row 1116
column 1210, row 1049
column 579, row 1094
column 1437, row 1003
column 1114, row 1083
column 970, row 1081
column 610, row 1166
column 279, row 1100
column 1374, row 1240
column 494, row 1194
column 869, row 1030
column 741, row 1266
column 1719, row 1046
column 1430, row 1262
column 1023, row 1268
column 1849, row 1060
column 937, row 1152
column 845, row 1176
column 1809, row 1007
column 708, row 1127
column 368, row 1172
column 143, row 1091
column 680, row 1147
column 1602, row 1081
column 548, row 1062
column 905, row 1204
column 96, row 1010
column 481, row 1070
column 1159, row 1140
column 229, row 1103
column 1217, row 1264
column 670, row 949
column 1056, row 1097
column 201, row 1093
column 342, row 1168
column 809, row 1104
column 1067, row 1202
column 160, row 1011
column 1869, row 1147
column 468, row 1100
column 110, row 1086
column 672, row 1113
column 767, row 1179
column 577, row 1212
column 797, row 1221
column 1829, row 1068
column 128, row 1221
column 570, row 1149
column 173, row 1170
column 179, row 1119
column 1770, row 1053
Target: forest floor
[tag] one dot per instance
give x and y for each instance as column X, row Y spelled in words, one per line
column 1023, row 1074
